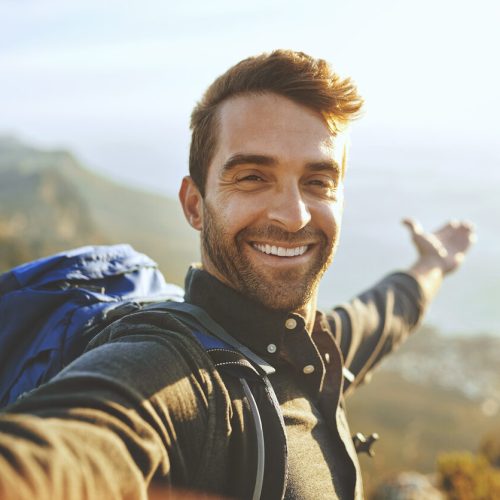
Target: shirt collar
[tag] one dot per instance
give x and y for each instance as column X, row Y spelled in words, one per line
column 251, row 323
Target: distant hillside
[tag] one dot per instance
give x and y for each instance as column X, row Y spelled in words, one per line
column 436, row 394
column 49, row 202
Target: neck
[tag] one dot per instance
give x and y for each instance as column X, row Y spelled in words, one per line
column 308, row 312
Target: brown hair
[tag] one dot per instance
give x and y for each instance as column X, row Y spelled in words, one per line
column 294, row 75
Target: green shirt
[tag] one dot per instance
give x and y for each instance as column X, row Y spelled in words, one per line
column 147, row 403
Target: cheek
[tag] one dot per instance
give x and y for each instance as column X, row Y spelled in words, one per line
column 337, row 209
column 235, row 213
column 329, row 218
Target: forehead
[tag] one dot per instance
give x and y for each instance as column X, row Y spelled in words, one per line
column 272, row 124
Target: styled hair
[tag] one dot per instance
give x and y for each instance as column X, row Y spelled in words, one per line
column 294, row 75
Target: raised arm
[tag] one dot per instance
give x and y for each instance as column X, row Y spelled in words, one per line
column 375, row 322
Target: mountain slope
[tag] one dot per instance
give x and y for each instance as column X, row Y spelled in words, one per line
column 49, row 202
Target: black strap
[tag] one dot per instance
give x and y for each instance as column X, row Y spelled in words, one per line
column 190, row 312
column 259, row 436
column 275, row 484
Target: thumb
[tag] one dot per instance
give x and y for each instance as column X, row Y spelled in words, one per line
column 413, row 225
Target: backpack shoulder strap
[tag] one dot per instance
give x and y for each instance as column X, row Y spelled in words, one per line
column 224, row 357
column 226, row 352
column 195, row 317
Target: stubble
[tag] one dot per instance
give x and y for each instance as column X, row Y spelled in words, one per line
column 289, row 289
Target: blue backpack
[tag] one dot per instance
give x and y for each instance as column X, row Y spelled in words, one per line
column 49, row 306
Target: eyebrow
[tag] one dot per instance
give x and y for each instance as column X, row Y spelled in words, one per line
column 245, row 159
column 320, row 166
column 270, row 161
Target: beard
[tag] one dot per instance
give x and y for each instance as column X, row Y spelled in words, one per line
column 281, row 289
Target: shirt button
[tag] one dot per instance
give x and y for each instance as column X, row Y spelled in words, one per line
column 308, row 369
column 271, row 348
column 290, row 323
column 327, row 357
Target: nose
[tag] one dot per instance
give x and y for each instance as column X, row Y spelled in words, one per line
column 288, row 209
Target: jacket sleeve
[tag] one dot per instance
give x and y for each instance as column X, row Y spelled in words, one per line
column 376, row 322
column 144, row 403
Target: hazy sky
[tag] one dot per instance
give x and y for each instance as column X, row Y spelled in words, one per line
column 115, row 80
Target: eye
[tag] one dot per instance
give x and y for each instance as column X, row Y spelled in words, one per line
column 322, row 182
column 250, row 178
column 322, row 185
column 319, row 182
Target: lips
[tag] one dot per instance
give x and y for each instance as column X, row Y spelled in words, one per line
column 280, row 251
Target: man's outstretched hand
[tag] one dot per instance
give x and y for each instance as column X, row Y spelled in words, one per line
column 440, row 252
column 445, row 247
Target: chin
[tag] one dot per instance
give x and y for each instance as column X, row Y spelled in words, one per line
column 279, row 299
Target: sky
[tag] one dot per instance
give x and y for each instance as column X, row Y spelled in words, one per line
column 115, row 82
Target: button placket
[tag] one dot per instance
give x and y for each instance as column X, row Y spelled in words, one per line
column 302, row 353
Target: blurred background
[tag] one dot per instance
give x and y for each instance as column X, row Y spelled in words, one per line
column 95, row 99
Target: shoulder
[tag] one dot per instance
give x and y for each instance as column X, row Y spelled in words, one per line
column 154, row 352
column 157, row 329
column 146, row 381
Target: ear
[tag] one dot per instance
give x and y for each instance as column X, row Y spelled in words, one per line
column 192, row 202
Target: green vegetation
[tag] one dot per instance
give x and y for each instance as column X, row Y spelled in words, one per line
column 465, row 476
column 490, row 446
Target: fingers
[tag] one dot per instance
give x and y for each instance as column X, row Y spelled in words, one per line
column 461, row 229
column 472, row 231
column 454, row 226
column 460, row 224
column 469, row 225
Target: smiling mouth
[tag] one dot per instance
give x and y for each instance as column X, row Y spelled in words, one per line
column 280, row 251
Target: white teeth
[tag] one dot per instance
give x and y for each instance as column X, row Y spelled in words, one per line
column 280, row 251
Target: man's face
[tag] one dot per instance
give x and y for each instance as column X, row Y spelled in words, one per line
column 273, row 200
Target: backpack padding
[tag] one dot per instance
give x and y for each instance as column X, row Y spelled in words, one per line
column 48, row 305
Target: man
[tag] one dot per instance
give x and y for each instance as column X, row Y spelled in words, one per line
column 267, row 162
